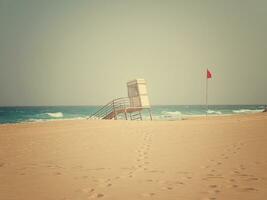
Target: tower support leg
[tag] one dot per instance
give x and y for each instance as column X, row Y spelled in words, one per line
column 149, row 110
column 140, row 115
column 125, row 114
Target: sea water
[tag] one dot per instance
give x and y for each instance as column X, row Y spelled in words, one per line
column 164, row 112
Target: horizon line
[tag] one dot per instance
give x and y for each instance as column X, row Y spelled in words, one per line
column 84, row 105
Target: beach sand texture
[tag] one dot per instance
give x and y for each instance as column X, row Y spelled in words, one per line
column 214, row 158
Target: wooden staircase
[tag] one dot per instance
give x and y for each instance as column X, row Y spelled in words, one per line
column 118, row 106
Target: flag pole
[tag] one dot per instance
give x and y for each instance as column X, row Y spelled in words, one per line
column 207, row 106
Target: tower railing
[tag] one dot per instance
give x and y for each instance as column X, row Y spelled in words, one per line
column 111, row 109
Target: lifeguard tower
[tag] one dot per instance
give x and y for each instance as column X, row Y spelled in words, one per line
column 130, row 107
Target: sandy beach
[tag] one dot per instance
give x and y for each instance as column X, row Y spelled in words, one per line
column 214, row 158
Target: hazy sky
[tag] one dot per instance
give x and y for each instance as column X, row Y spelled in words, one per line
column 77, row 52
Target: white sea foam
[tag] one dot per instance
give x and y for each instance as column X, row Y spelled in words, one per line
column 93, row 117
column 46, row 120
column 35, row 120
column 214, row 112
column 57, row 114
column 247, row 111
column 76, row 118
column 171, row 115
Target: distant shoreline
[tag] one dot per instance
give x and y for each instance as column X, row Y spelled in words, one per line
column 167, row 112
column 196, row 117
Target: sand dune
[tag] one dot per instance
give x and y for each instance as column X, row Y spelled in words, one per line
column 214, row 158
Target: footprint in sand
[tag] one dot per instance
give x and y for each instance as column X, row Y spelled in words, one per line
column 2, row 164
column 148, row 194
column 210, row 198
column 217, row 191
column 88, row 190
column 213, row 186
column 167, row 188
column 234, row 186
column 92, row 193
column 104, row 182
column 248, row 189
column 252, row 179
column 130, row 176
column 97, row 195
column 212, row 176
column 236, row 172
column 178, row 183
column 243, row 175
column 242, row 167
column 109, row 185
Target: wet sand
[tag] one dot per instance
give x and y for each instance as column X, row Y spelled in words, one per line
column 213, row 158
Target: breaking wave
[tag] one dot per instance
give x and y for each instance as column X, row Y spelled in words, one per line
column 247, row 111
column 35, row 120
column 171, row 115
column 57, row 114
column 214, row 112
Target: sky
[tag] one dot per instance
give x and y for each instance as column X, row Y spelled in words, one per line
column 75, row 52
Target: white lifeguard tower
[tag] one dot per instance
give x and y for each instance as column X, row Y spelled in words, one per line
column 137, row 93
column 132, row 106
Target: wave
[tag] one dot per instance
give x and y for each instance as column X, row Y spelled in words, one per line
column 171, row 115
column 57, row 114
column 214, row 112
column 46, row 120
column 247, row 111
column 34, row 120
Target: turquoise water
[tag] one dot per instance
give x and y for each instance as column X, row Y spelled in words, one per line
column 174, row 112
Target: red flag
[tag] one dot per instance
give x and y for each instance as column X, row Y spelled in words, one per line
column 209, row 74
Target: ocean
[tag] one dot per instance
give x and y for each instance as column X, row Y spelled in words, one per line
column 167, row 112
